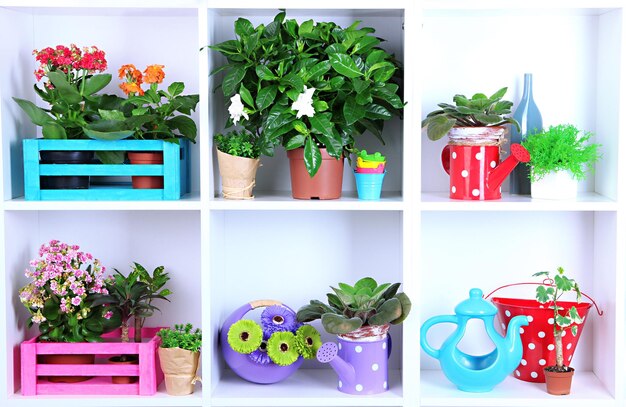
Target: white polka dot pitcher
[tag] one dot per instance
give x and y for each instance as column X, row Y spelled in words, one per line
column 360, row 360
column 472, row 159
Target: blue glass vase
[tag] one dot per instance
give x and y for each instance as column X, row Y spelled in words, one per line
column 529, row 118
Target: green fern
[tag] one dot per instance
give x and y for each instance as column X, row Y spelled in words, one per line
column 561, row 148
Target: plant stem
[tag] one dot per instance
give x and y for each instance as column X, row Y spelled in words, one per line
column 558, row 343
column 125, row 332
column 138, row 325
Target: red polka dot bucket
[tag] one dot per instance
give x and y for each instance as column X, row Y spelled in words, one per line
column 538, row 337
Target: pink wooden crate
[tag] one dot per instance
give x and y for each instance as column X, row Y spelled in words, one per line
column 148, row 369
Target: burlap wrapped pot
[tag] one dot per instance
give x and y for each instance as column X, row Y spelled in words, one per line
column 179, row 367
column 238, row 175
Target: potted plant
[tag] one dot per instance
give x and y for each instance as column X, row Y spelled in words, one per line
column 154, row 114
column 475, row 127
column 179, row 355
column 75, row 110
column 560, row 157
column 131, row 297
column 238, row 159
column 559, row 376
column 312, row 88
column 61, row 299
column 360, row 316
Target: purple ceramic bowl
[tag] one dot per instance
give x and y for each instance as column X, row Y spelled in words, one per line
column 242, row 364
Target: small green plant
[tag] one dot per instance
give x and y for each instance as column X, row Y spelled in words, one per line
column 560, row 148
column 131, row 296
column 479, row 111
column 240, row 143
column 182, row 336
column 365, row 303
column 570, row 319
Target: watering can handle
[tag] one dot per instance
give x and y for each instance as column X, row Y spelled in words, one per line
column 445, row 159
column 427, row 325
column 547, row 282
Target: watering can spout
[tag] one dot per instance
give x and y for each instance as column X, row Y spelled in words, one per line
column 513, row 339
column 327, row 353
column 499, row 174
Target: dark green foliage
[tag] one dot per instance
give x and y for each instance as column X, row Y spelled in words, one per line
column 184, row 337
column 561, row 148
column 271, row 64
column 240, row 143
column 479, row 111
column 349, row 308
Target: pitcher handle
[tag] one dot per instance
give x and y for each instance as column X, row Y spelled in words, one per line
column 445, row 159
column 427, row 325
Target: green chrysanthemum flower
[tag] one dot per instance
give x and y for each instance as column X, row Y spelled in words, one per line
column 281, row 348
column 308, row 341
column 245, row 336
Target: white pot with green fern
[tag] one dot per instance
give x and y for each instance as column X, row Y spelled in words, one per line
column 560, row 157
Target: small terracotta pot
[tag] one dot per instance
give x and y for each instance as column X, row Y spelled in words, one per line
column 150, row 157
column 68, row 360
column 130, row 360
column 558, row 383
column 326, row 184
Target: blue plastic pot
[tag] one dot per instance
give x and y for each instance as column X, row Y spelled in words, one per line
column 369, row 186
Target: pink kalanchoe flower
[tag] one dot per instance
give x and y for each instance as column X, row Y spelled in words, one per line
column 76, row 301
column 108, row 315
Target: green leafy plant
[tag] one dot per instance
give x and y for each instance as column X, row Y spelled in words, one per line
column 479, row 111
column 561, row 148
column 365, row 303
column 182, row 336
column 131, row 296
column 71, row 85
column 562, row 320
column 240, row 143
column 309, row 85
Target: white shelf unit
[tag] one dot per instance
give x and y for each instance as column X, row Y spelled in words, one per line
column 224, row 253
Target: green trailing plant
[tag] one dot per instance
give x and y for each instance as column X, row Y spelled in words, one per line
column 365, row 303
column 240, row 143
column 309, row 85
column 563, row 321
column 479, row 111
column 181, row 336
column 561, row 148
column 131, row 296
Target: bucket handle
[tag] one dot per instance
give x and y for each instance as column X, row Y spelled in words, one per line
column 546, row 282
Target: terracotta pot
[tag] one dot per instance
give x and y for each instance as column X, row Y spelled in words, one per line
column 130, row 360
column 150, row 157
column 238, row 175
column 326, row 184
column 558, row 383
column 67, row 360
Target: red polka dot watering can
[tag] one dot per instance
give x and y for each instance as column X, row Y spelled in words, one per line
column 537, row 337
column 472, row 159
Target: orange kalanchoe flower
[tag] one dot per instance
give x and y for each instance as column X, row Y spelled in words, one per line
column 131, row 87
column 154, row 74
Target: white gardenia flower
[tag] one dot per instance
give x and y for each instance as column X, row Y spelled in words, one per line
column 236, row 109
column 304, row 104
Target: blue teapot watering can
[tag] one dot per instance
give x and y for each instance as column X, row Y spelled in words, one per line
column 476, row 373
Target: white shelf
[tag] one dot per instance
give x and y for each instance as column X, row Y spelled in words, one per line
column 160, row 399
column 390, row 201
column 587, row 390
column 189, row 202
column 585, row 6
column 307, row 387
column 589, row 201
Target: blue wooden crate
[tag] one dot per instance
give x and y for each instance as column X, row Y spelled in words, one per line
column 174, row 170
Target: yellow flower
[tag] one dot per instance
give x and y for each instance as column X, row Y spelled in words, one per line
column 154, row 74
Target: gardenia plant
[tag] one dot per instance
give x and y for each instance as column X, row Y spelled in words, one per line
column 65, row 282
column 308, row 85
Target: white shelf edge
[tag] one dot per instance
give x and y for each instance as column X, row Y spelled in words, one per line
column 307, row 387
column 189, row 202
column 590, row 201
column 587, row 390
column 80, row 4
column 521, row 5
column 268, row 201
